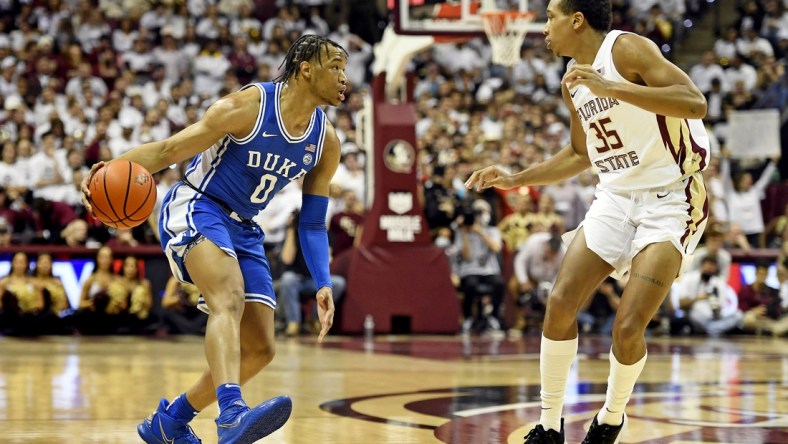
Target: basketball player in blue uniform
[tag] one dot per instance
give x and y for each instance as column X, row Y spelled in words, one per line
column 247, row 146
column 636, row 123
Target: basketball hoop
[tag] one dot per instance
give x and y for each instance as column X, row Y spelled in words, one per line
column 506, row 31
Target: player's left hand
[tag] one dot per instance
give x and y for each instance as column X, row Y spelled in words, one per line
column 492, row 176
column 325, row 311
column 84, row 187
column 586, row 75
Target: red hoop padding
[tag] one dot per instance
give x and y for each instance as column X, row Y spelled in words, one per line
column 453, row 11
column 452, row 38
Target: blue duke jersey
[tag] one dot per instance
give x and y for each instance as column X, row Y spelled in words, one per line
column 631, row 148
column 244, row 174
column 228, row 184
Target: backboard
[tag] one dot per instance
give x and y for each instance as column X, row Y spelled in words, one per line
column 457, row 17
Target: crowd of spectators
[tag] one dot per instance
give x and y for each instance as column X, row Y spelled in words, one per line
column 84, row 81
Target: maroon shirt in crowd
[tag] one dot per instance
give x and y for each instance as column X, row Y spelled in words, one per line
column 343, row 229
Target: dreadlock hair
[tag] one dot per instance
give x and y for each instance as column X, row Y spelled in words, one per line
column 304, row 49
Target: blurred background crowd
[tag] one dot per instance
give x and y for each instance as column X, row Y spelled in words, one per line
column 84, row 81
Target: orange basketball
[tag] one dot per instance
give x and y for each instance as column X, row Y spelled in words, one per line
column 122, row 194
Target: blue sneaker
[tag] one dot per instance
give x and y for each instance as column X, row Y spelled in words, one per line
column 161, row 428
column 242, row 425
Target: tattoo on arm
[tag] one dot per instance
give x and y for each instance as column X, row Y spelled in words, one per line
column 653, row 280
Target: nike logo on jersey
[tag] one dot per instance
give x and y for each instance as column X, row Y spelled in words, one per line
column 572, row 94
column 662, row 196
column 231, row 386
column 267, row 134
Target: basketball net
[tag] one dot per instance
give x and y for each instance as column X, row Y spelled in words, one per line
column 506, row 31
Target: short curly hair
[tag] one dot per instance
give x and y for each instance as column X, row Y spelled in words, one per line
column 597, row 12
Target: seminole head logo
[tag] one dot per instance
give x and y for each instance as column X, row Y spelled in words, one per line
column 659, row 413
column 399, row 156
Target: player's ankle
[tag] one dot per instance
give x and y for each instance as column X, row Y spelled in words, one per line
column 229, row 395
column 181, row 410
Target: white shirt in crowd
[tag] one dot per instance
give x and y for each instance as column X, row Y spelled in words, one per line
column 744, row 208
column 356, row 181
column 744, row 73
column 702, row 76
column 692, row 286
column 11, row 176
column 530, row 263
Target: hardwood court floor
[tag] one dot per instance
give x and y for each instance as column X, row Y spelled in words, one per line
column 398, row 390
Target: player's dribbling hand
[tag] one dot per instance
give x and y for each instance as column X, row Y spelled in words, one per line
column 492, row 176
column 586, row 75
column 85, row 191
column 325, row 311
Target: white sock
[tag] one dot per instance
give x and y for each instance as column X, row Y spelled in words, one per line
column 619, row 388
column 555, row 360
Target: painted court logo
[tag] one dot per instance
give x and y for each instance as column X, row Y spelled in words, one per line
column 659, row 413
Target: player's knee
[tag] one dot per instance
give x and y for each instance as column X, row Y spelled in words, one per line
column 229, row 301
column 257, row 356
column 628, row 329
column 562, row 303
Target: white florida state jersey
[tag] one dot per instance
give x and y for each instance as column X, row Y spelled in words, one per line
column 631, row 148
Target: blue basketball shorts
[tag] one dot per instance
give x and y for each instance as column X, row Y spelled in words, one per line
column 187, row 219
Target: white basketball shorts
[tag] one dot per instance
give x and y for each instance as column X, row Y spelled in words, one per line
column 621, row 224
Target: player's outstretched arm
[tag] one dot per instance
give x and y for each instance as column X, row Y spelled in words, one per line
column 569, row 162
column 312, row 227
column 657, row 85
column 233, row 114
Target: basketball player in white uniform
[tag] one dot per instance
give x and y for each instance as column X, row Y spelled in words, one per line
column 636, row 123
